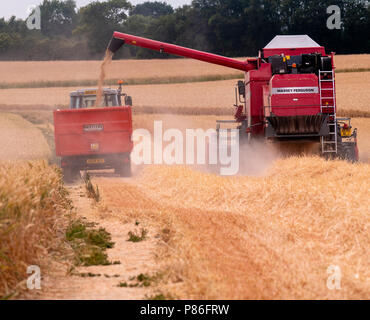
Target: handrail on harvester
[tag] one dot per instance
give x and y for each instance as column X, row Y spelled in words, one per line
column 121, row 38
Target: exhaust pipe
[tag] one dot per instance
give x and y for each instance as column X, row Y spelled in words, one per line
column 115, row 44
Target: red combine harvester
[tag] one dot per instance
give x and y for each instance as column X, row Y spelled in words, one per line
column 288, row 93
column 88, row 137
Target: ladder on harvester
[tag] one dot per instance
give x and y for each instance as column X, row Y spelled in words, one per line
column 329, row 143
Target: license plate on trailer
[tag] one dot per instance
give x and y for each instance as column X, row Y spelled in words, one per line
column 95, row 161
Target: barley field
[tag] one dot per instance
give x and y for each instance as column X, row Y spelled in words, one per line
column 353, row 94
column 269, row 237
column 54, row 71
column 352, row 61
column 271, row 232
column 32, row 205
column 21, row 72
column 20, row 140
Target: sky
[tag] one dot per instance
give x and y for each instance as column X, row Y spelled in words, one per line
column 19, row 8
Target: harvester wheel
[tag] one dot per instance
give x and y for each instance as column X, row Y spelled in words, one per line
column 124, row 170
column 347, row 151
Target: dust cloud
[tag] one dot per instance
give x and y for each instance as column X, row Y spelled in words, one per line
column 254, row 158
column 257, row 157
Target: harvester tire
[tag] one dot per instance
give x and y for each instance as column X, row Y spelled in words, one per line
column 347, row 151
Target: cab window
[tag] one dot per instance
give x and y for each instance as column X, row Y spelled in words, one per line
column 111, row 100
column 82, row 102
column 88, row 102
column 75, row 103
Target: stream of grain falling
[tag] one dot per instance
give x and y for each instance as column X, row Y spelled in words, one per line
column 107, row 60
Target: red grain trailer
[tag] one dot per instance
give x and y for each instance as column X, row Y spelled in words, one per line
column 91, row 138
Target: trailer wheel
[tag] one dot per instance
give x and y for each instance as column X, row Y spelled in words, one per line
column 347, row 151
column 124, row 170
column 70, row 174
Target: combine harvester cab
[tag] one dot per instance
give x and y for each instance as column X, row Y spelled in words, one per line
column 288, row 93
column 93, row 138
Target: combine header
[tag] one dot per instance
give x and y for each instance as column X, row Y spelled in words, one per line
column 288, row 93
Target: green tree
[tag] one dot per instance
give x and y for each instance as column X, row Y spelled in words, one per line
column 5, row 41
column 227, row 27
column 356, row 27
column 138, row 25
column 310, row 17
column 238, row 28
column 98, row 20
column 154, row 9
column 58, row 17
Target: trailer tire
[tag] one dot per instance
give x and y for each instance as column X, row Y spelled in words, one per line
column 70, row 174
column 124, row 170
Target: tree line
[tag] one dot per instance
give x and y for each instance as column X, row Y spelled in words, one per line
column 226, row 27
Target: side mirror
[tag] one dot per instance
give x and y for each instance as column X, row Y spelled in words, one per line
column 241, row 88
column 128, row 101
